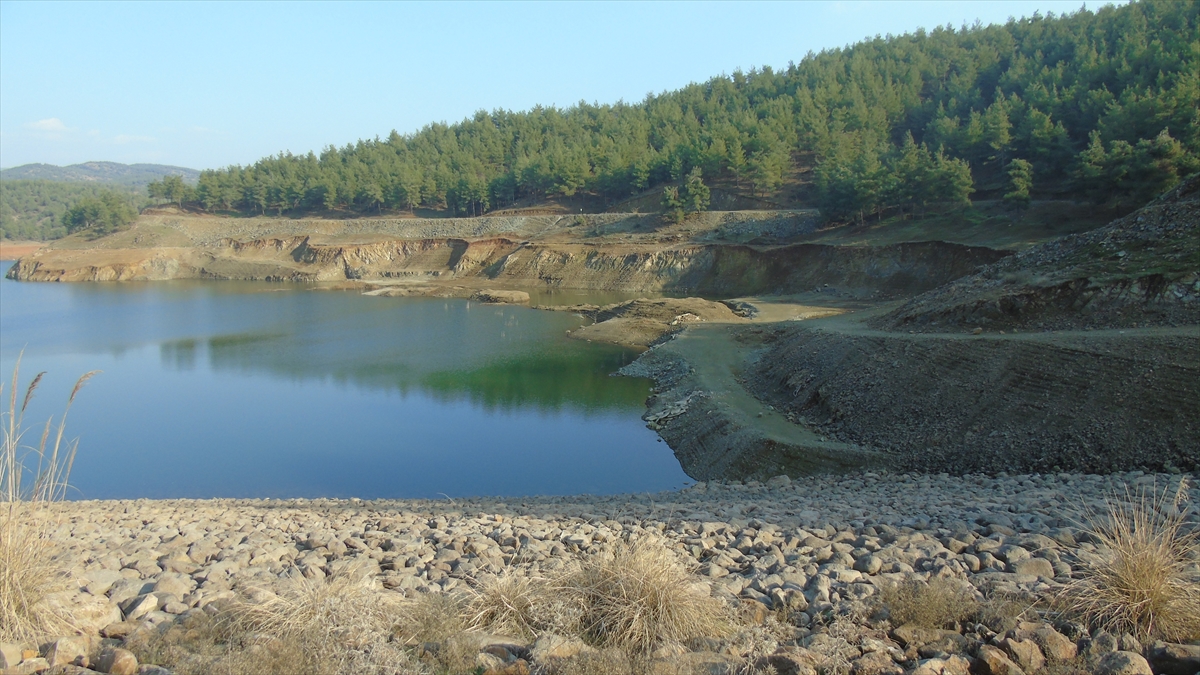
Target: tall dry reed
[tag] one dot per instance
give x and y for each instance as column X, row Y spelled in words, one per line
column 31, row 478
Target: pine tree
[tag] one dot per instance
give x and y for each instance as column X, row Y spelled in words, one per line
column 1020, row 180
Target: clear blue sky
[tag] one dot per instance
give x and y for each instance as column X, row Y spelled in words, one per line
column 206, row 85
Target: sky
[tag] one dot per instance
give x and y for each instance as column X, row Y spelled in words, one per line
column 207, row 85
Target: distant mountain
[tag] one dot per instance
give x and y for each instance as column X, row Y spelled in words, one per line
column 134, row 175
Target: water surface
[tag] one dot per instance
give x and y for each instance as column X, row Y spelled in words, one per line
column 214, row 389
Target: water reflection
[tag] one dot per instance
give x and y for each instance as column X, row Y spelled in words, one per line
column 220, row 389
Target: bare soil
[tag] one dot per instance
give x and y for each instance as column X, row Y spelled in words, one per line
column 11, row 250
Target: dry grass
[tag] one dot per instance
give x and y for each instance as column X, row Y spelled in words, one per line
column 643, row 596
column 933, row 604
column 510, row 604
column 343, row 624
column 431, row 617
column 340, row 625
column 31, row 477
column 1139, row 581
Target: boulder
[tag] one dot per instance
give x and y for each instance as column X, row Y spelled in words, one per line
column 875, row 663
column 1038, row 567
column 993, row 661
column 10, row 654
column 29, row 667
column 1123, row 663
column 952, row 665
column 912, row 635
column 1168, row 658
column 1055, row 645
column 71, row 650
column 117, row 661
column 1025, row 653
column 794, row 661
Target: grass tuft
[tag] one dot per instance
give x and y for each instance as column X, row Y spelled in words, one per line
column 343, row 624
column 1142, row 577
column 643, row 596
column 31, row 477
column 933, row 604
column 509, row 604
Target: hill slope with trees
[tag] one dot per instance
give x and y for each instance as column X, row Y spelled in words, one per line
column 114, row 173
column 1099, row 105
column 34, row 209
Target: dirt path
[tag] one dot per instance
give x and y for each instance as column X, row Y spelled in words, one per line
column 738, row 369
column 717, row 358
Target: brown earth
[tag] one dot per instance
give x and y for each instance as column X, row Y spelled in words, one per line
column 12, row 250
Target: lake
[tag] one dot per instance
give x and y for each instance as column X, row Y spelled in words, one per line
column 246, row 389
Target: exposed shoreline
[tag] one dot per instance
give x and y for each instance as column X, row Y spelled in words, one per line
column 815, row 548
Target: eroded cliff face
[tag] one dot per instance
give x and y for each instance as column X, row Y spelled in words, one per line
column 711, row 269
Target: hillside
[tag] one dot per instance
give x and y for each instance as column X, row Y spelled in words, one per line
column 108, row 173
column 33, row 209
column 1089, row 105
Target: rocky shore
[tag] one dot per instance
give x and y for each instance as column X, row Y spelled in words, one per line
column 809, row 556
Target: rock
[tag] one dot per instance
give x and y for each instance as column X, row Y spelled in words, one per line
column 993, row 661
column 518, row 667
column 138, row 607
column 90, row 613
column 68, row 670
column 794, row 661
column 1038, row 567
column 953, row 665
column 174, row 584
column 153, row 670
column 502, row 297
column 117, row 661
column 488, row 663
column 949, row 643
column 100, row 581
column 1169, row 658
column 753, row 611
column 1025, row 653
column 67, row 651
column 1101, row 644
column 29, row 667
column 1128, row 643
column 119, row 630
column 1055, row 645
column 875, row 663
column 10, row 654
column 868, row 564
column 1123, row 663
column 669, row 650
column 912, row 635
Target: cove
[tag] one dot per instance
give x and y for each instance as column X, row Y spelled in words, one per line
column 249, row 389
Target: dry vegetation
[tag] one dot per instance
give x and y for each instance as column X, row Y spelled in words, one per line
column 625, row 605
column 31, row 476
column 1142, row 578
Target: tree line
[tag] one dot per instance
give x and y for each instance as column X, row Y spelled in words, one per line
column 34, row 209
column 1100, row 103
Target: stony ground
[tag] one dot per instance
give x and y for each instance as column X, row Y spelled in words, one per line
column 809, row 555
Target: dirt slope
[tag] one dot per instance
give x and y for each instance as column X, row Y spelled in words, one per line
column 1143, row 269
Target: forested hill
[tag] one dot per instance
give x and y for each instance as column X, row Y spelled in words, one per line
column 1101, row 104
column 133, row 175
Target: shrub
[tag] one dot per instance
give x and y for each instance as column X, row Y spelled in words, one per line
column 1140, row 579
